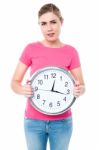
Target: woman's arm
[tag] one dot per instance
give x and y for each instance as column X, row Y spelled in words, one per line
column 16, row 82
column 79, row 87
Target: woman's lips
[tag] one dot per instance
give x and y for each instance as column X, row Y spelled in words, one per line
column 50, row 34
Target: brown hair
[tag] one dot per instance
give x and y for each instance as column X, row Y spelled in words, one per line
column 50, row 8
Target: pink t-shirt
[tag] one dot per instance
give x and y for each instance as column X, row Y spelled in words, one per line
column 37, row 56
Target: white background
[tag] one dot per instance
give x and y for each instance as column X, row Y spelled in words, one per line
column 18, row 27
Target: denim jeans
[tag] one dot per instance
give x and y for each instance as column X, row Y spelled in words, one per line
column 37, row 133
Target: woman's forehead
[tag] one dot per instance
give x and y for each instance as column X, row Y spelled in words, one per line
column 46, row 17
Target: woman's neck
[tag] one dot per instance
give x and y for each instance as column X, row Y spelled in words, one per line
column 54, row 44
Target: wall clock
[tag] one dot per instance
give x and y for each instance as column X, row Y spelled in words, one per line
column 52, row 90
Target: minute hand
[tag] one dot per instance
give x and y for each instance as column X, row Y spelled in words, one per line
column 53, row 86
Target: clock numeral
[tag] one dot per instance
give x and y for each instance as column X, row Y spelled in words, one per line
column 44, row 102
column 53, row 75
column 65, row 99
column 61, row 78
column 40, row 82
column 68, row 91
column 58, row 103
column 66, row 84
column 38, row 96
column 50, row 104
column 35, row 88
column 45, row 76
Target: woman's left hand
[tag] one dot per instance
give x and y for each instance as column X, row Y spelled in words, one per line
column 78, row 89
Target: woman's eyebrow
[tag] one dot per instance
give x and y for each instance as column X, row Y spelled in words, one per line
column 42, row 22
column 53, row 20
column 46, row 21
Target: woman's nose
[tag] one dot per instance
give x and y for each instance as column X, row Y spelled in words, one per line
column 49, row 27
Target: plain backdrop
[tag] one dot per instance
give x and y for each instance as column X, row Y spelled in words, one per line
column 18, row 27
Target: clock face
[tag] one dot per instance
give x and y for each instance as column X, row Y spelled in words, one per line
column 52, row 90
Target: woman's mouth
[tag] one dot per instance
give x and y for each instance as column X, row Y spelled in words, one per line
column 50, row 34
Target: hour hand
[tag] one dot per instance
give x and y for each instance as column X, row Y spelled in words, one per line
column 59, row 92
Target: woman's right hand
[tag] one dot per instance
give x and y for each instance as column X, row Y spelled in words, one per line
column 27, row 89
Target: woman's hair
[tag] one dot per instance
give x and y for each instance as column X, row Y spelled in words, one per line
column 50, row 8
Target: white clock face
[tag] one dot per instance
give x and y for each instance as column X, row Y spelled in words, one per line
column 53, row 90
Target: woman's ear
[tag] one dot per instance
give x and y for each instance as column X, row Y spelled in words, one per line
column 62, row 21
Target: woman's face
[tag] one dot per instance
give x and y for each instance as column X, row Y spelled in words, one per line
column 50, row 26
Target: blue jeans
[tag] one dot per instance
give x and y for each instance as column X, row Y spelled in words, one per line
column 37, row 133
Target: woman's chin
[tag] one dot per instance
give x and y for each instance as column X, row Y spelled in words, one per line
column 51, row 39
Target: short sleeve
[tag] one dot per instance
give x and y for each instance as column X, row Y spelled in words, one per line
column 25, row 56
column 75, row 60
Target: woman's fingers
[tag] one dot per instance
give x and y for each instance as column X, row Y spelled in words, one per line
column 77, row 89
column 27, row 90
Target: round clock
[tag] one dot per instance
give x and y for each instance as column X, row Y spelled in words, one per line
column 52, row 90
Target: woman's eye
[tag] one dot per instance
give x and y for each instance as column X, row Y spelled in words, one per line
column 42, row 24
column 53, row 22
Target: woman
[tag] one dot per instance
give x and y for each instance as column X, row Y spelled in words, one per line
column 49, row 52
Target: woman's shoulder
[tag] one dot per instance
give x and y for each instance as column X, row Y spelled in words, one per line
column 70, row 48
column 32, row 44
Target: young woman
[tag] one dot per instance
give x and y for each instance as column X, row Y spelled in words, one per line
column 49, row 52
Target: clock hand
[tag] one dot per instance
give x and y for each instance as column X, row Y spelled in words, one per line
column 43, row 90
column 52, row 91
column 59, row 92
column 53, row 86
